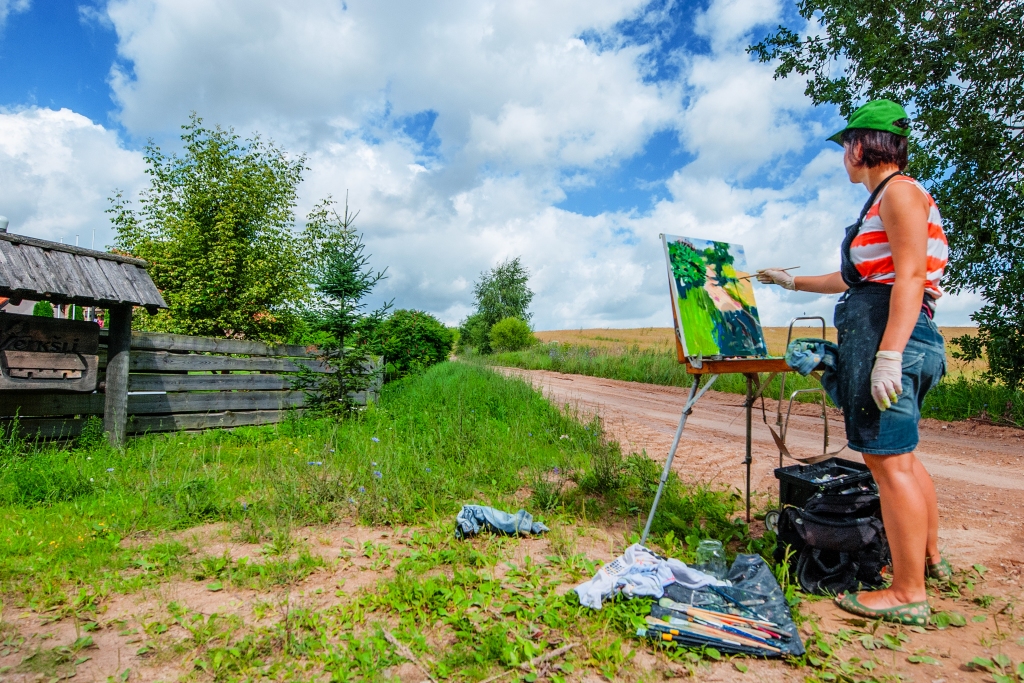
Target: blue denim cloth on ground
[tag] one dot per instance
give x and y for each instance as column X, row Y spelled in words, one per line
column 861, row 316
column 807, row 353
column 472, row 518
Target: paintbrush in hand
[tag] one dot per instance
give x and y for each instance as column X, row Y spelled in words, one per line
column 747, row 277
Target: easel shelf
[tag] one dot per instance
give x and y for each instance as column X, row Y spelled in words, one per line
column 742, row 366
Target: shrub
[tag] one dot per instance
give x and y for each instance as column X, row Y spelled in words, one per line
column 474, row 334
column 43, row 309
column 411, row 341
column 511, row 334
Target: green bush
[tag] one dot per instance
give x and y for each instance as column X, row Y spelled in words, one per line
column 412, row 341
column 43, row 309
column 474, row 334
column 511, row 334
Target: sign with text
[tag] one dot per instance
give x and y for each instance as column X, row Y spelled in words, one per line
column 48, row 353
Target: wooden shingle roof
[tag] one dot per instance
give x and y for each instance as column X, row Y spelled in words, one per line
column 37, row 269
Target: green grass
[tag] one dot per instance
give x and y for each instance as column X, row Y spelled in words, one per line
column 955, row 398
column 632, row 365
column 74, row 521
column 959, row 398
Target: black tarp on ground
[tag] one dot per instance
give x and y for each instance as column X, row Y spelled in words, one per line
column 753, row 586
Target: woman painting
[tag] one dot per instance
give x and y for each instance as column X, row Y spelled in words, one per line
column 890, row 351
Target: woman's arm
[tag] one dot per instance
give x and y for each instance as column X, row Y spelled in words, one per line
column 904, row 213
column 821, row 284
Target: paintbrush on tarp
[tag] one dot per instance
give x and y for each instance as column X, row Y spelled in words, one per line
column 676, row 626
column 716, row 637
column 762, row 637
column 747, row 277
column 760, row 625
column 699, row 641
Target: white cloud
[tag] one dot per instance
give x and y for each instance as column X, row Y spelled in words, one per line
column 511, row 82
column 57, row 169
column 526, row 111
column 9, row 7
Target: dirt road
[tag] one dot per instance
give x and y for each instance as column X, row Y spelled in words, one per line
column 977, row 468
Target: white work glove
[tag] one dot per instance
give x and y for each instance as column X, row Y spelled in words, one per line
column 774, row 276
column 887, row 378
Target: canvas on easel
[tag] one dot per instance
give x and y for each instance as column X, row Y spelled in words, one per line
column 712, row 300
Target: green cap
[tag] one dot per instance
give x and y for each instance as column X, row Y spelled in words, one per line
column 876, row 115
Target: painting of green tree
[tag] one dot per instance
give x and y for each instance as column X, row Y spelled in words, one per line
column 715, row 310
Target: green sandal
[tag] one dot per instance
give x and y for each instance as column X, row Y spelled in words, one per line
column 941, row 570
column 911, row 614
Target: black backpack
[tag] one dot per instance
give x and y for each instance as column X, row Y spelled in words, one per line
column 836, row 542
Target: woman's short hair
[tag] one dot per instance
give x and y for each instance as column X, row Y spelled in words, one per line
column 879, row 146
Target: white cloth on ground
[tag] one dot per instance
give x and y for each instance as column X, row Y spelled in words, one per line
column 640, row 572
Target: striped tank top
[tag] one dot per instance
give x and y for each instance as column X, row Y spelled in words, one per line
column 871, row 254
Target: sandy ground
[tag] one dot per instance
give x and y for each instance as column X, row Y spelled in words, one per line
column 977, row 468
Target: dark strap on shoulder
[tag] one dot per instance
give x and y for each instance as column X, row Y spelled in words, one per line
column 849, row 273
column 874, row 195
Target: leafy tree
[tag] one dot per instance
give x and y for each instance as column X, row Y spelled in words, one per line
column 511, row 334
column 412, row 341
column 215, row 225
column 501, row 292
column 43, row 309
column 959, row 64
column 342, row 280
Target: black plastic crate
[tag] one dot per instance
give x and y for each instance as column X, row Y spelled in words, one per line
column 797, row 483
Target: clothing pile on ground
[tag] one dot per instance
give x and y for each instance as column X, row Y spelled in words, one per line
column 474, row 518
column 639, row 572
column 746, row 613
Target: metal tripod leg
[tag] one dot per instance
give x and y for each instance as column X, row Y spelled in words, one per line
column 687, row 409
column 749, row 459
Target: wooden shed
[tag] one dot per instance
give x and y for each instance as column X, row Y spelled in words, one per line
column 41, row 270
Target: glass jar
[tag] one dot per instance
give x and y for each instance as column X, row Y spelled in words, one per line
column 711, row 558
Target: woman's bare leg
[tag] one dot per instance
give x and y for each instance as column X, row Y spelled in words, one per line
column 924, row 480
column 905, row 515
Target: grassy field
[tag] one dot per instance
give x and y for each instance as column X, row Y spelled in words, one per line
column 648, row 355
column 82, row 524
column 663, row 339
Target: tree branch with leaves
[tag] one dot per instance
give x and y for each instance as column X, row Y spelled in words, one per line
column 959, row 67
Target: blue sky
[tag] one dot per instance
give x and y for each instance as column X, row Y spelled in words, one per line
column 465, row 132
column 58, row 54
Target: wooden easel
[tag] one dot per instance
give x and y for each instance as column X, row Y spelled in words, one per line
column 751, row 369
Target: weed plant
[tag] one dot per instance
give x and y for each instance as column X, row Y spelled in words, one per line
column 464, row 610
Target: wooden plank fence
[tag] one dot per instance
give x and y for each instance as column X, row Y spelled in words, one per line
column 178, row 382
